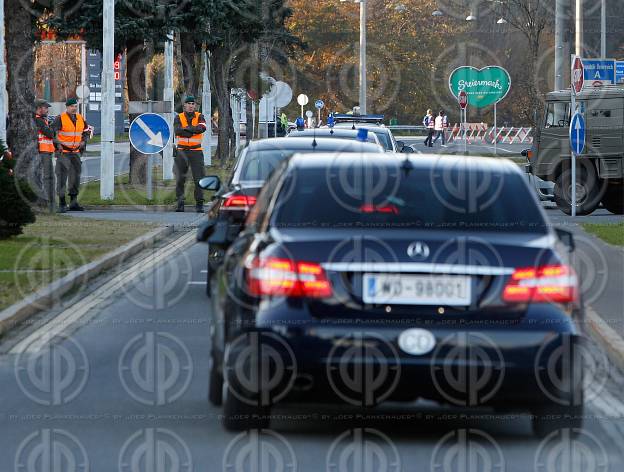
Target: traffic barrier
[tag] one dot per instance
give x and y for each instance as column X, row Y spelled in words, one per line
column 481, row 133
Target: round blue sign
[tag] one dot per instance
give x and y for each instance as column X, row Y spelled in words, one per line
column 319, row 104
column 149, row 133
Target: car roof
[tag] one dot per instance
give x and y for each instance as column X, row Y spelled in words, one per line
column 372, row 128
column 305, row 142
column 417, row 161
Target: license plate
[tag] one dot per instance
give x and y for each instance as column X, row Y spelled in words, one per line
column 402, row 289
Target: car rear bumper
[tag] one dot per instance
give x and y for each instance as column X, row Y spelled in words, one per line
column 365, row 365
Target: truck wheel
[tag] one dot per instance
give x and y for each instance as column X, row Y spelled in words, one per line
column 613, row 199
column 589, row 188
column 215, row 387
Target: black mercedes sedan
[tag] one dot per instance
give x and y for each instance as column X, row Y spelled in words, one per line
column 233, row 200
column 369, row 280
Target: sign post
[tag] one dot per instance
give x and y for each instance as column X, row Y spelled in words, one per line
column 302, row 100
column 319, row 104
column 462, row 98
column 577, row 124
column 149, row 134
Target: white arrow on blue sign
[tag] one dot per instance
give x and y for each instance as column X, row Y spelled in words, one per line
column 319, row 104
column 577, row 134
column 149, row 133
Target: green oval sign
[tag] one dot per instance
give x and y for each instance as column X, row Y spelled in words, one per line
column 483, row 87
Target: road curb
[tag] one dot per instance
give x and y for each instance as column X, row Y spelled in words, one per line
column 44, row 298
column 146, row 208
column 607, row 336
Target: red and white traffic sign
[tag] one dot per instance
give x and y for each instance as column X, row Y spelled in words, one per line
column 462, row 99
column 578, row 75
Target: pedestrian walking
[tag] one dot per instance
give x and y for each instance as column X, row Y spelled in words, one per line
column 188, row 128
column 45, row 142
column 71, row 135
column 428, row 123
column 439, row 128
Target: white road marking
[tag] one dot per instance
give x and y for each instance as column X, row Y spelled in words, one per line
column 197, row 283
column 36, row 340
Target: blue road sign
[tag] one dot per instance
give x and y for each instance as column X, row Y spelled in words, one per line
column 577, row 134
column 149, row 133
column 330, row 120
column 599, row 72
column 319, row 104
column 619, row 72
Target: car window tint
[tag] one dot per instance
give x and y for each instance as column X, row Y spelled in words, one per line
column 452, row 199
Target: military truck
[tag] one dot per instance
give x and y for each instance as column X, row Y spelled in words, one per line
column 600, row 169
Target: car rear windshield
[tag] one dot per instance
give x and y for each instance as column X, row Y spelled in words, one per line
column 443, row 199
column 259, row 164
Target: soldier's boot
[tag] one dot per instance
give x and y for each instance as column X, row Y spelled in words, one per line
column 199, row 207
column 62, row 208
column 73, row 204
column 180, row 207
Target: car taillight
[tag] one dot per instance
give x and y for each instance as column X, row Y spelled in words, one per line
column 285, row 277
column 369, row 208
column 544, row 284
column 239, row 201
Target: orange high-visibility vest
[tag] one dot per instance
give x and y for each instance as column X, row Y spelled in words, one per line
column 45, row 144
column 194, row 142
column 70, row 134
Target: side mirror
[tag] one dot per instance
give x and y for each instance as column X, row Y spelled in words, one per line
column 407, row 149
column 566, row 237
column 210, row 182
column 400, row 145
column 524, row 153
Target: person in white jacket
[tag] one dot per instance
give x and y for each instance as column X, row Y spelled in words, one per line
column 439, row 127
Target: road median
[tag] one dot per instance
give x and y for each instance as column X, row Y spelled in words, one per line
column 46, row 296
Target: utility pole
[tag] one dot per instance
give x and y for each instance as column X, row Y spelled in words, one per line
column 559, row 31
column 363, row 56
column 603, row 29
column 207, row 111
column 3, row 77
column 579, row 28
column 168, row 96
column 107, row 159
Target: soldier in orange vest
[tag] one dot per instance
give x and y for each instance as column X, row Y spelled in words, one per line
column 45, row 138
column 188, row 127
column 72, row 133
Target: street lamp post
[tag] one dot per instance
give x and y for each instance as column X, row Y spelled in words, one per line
column 3, row 71
column 362, row 54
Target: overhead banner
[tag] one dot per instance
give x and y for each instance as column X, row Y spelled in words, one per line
column 483, row 87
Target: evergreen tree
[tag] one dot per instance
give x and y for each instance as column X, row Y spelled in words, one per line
column 15, row 197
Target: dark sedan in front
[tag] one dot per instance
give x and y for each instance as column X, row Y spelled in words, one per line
column 369, row 280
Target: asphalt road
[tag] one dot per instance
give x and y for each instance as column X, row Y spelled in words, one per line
column 504, row 150
column 118, row 379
